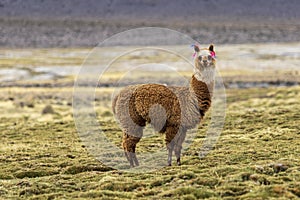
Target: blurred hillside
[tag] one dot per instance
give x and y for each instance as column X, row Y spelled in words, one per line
column 75, row 23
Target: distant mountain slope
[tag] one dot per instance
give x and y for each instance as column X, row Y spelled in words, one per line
column 62, row 23
column 153, row 9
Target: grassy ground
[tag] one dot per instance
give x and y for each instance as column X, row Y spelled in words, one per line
column 256, row 157
column 42, row 156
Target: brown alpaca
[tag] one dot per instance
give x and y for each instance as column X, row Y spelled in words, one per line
column 170, row 110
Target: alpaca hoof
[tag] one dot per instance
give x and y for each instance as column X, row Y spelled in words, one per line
column 178, row 162
column 131, row 165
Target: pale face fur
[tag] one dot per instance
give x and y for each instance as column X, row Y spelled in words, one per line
column 204, row 66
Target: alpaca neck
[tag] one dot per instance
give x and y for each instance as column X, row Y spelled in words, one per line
column 205, row 75
column 201, row 87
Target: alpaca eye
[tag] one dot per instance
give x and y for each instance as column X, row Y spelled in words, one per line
column 200, row 58
column 209, row 57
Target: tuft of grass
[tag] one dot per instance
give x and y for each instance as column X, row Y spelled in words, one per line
column 76, row 169
column 34, row 173
column 189, row 192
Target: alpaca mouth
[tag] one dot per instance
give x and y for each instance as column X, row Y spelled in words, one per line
column 205, row 64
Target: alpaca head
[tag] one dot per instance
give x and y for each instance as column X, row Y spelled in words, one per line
column 205, row 63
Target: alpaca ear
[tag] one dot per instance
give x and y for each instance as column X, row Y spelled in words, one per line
column 211, row 47
column 196, row 48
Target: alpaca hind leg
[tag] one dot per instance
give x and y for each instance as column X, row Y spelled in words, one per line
column 170, row 148
column 180, row 137
column 129, row 158
column 134, row 158
column 129, row 146
column 126, row 146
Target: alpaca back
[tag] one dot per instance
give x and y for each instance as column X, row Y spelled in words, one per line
column 158, row 105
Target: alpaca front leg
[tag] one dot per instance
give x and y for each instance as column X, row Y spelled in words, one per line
column 177, row 154
column 178, row 145
column 170, row 133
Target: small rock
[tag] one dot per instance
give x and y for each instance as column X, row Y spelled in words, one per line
column 21, row 104
column 246, row 176
column 254, row 177
column 30, row 104
column 71, row 156
column 279, row 167
column 48, row 110
column 259, row 179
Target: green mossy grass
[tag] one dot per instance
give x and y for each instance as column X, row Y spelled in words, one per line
column 256, row 156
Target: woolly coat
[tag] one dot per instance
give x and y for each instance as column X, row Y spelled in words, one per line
column 162, row 106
